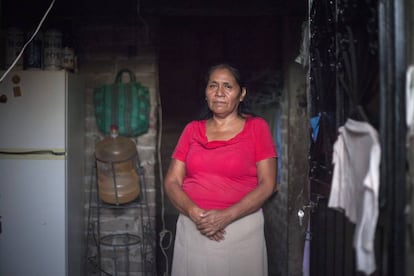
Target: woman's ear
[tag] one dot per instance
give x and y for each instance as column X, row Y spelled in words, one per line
column 243, row 93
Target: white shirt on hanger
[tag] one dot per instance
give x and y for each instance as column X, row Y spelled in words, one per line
column 355, row 186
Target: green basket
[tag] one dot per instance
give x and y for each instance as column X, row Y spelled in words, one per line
column 126, row 105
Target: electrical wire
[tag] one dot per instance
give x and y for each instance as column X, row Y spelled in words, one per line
column 27, row 43
column 143, row 21
column 164, row 233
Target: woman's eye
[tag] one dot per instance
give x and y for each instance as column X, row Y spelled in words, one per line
column 228, row 86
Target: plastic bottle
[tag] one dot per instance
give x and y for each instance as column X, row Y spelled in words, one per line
column 52, row 50
column 118, row 180
column 33, row 56
column 14, row 44
column 68, row 51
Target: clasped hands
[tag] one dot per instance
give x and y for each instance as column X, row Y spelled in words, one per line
column 211, row 223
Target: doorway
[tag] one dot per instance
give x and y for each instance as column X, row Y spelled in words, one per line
column 189, row 45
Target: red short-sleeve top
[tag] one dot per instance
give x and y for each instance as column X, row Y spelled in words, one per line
column 221, row 173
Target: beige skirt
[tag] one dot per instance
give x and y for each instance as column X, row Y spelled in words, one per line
column 241, row 253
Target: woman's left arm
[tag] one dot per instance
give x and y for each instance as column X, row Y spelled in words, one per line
column 266, row 177
column 215, row 220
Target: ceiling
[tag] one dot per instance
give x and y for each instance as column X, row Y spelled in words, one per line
column 29, row 12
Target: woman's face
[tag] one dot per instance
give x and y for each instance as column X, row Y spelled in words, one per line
column 223, row 93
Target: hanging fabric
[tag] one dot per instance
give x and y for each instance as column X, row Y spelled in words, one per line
column 355, row 186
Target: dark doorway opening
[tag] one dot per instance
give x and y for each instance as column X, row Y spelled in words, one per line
column 189, row 45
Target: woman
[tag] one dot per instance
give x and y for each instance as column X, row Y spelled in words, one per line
column 222, row 170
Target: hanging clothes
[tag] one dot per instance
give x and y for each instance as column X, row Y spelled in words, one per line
column 409, row 109
column 355, row 186
column 409, row 99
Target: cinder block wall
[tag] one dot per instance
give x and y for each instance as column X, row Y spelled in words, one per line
column 106, row 48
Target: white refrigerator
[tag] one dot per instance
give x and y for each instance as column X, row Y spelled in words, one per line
column 41, row 174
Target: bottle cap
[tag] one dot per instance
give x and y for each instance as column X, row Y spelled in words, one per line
column 114, row 131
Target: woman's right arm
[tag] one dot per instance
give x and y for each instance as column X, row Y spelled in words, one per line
column 173, row 187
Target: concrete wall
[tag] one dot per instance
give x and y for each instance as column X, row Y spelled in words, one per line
column 285, row 236
column 298, row 149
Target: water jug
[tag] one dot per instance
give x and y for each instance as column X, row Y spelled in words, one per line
column 116, row 159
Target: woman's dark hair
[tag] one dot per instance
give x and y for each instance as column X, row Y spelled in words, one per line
column 243, row 108
column 234, row 71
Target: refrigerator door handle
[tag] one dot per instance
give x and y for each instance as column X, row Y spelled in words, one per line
column 51, row 152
